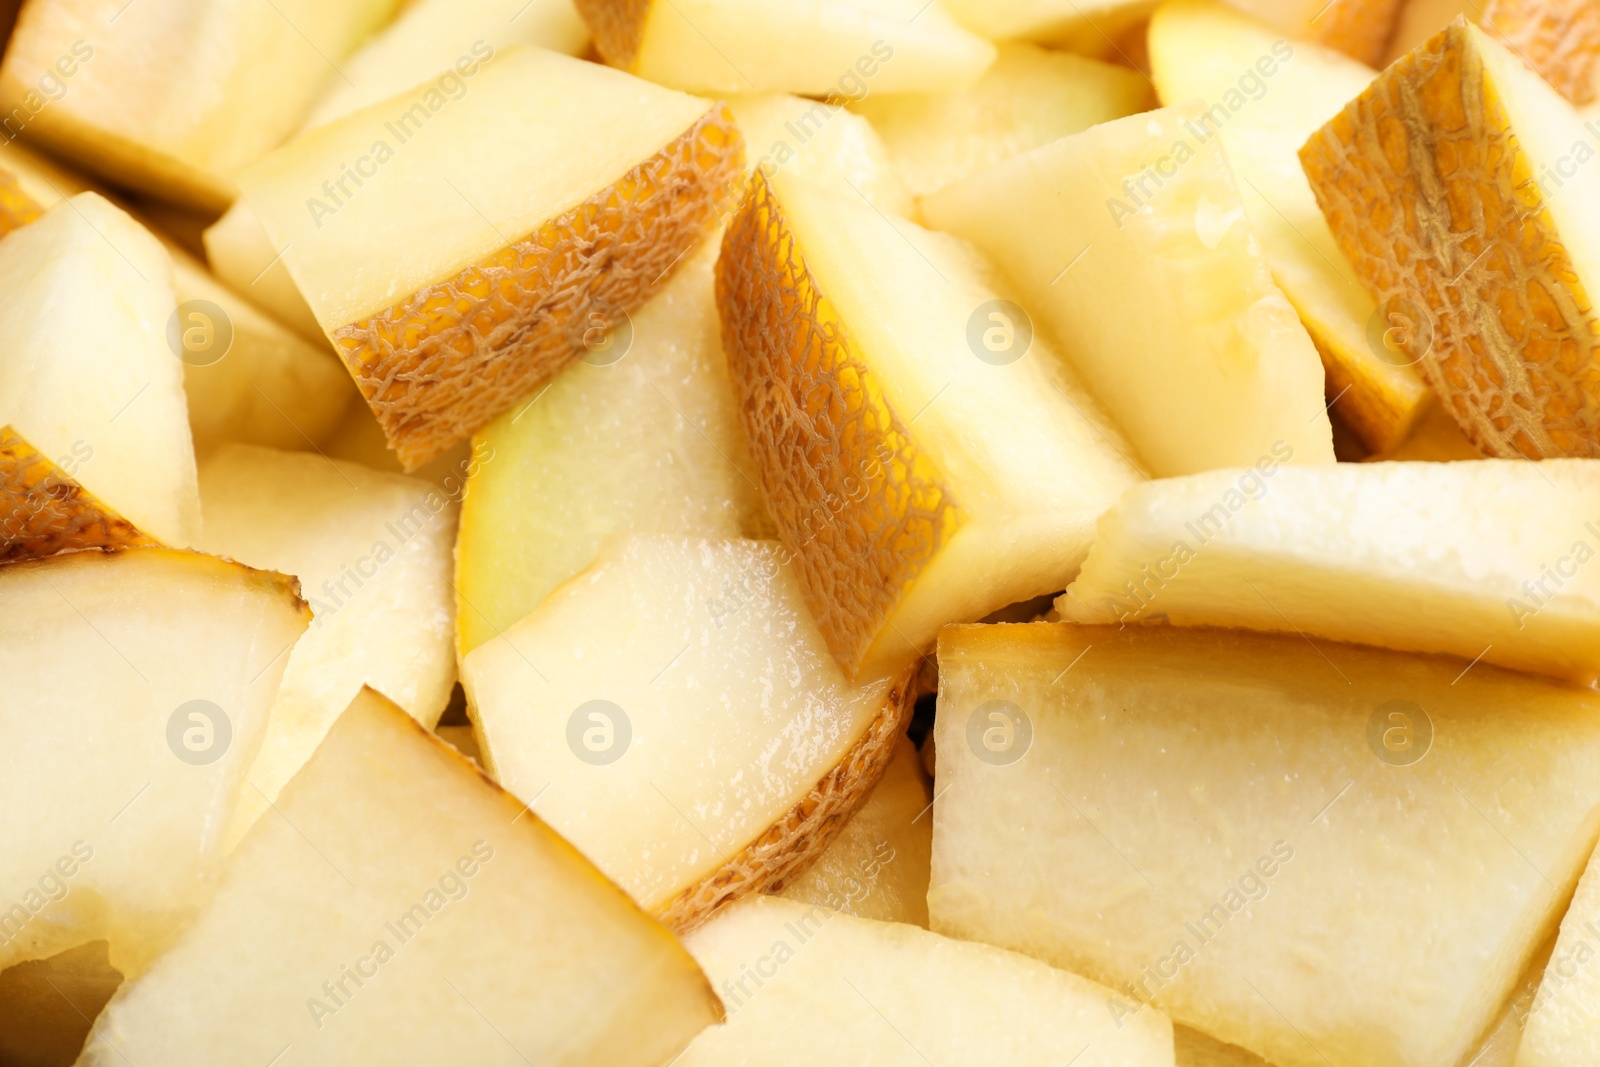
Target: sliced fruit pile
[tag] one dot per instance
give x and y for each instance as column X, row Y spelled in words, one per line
column 620, row 533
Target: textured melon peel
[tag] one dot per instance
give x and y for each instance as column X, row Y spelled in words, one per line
column 789, row 847
column 859, row 504
column 1557, row 38
column 440, row 364
column 1432, row 196
column 43, row 511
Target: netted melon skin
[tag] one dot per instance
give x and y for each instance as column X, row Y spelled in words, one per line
column 439, row 365
column 790, row 846
column 1558, row 38
column 858, row 503
column 44, row 512
column 618, row 28
column 1433, row 200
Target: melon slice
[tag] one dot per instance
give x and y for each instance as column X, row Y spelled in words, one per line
column 1497, row 250
column 1487, row 560
column 87, row 375
column 372, row 552
column 924, row 452
column 43, row 511
column 1131, row 243
column 827, row 48
column 172, row 98
column 1264, row 96
column 808, row 986
column 877, row 868
column 674, row 713
column 1229, row 826
column 1029, row 98
column 526, row 247
column 160, row 667
column 397, row 908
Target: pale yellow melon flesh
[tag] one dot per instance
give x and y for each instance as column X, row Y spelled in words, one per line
column 1159, row 294
column 117, row 835
column 808, row 987
column 1230, row 826
column 822, row 143
column 242, row 255
column 397, row 908
column 1560, row 1024
column 1089, row 26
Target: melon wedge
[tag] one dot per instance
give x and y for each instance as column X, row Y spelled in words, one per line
column 86, row 374
column 160, row 666
column 877, row 868
column 808, row 986
column 1157, row 289
column 527, row 247
column 397, row 908
column 1264, row 97
column 827, row 48
column 43, row 511
column 925, row 454
column 1029, row 98
column 674, row 713
column 372, row 553
column 431, row 39
column 172, row 98
column 1497, row 250
column 1228, row 826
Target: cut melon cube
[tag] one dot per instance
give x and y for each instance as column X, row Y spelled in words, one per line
column 48, row 1006
column 1496, row 251
column 172, row 98
column 1264, row 97
column 431, row 39
column 372, row 552
column 397, row 908
column 1029, row 98
column 43, row 511
column 808, row 986
column 1131, row 243
column 674, row 712
column 1359, row 28
column 877, row 868
column 137, row 690
column 1088, row 26
column 924, row 452
column 822, row 143
column 87, row 375
column 641, row 438
column 835, row 48
column 1480, row 560
column 527, row 247
column 1328, row 855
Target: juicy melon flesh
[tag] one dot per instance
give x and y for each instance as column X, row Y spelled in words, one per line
column 397, row 908
column 675, row 714
column 117, row 836
column 822, row 143
column 1089, row 26
column 807, row 986
column 87, row 376
column 1160, row 295
column 959, row 478
column 1482, row 560
column 1029, row 98
column 1265, row 95
column 372, row 553
column 242, row 255
column 1229, row 826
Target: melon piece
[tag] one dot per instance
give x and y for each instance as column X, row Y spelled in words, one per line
column 48, row 1006
column 877, row 868
column 87, row 375
column 431, row 39
column 674, row 713
column 1029, row 98
column 525, row 248
column 1359, row 28
column 372, row 552
column 43, row 511
column 172, row 98
column 1230, row 826
column 806, row 986
column 640, row 437
column 138, row 684
column 1558, row 38
column 1264, row 96
column 397, row 908
column 1089, row 26
column 835, row 48
column 1157, row 288
column 1559, row 1025
column 1482, row 560
column 822, row 143
column 244, row 257
column 1497, row 250
column 924, row 452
